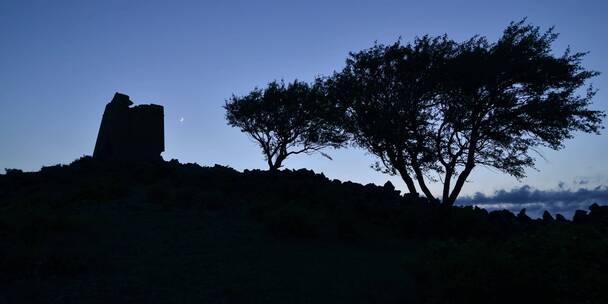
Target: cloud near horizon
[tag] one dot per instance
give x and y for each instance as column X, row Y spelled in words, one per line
column 562, row 200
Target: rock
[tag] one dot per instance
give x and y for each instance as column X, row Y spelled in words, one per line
column 599, row 214
column 594, row 207
column 522, row 216
column 130, row 133
column 580, row 216
column 547, row 218
column 389, row 186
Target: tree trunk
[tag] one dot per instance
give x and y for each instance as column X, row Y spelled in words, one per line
column 409, row 182
column 459, row 183
column 273, row 168
column 278, row 162
column 470, row 164
column 421, row 182
column 449, row 171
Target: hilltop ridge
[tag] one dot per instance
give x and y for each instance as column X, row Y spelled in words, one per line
column 155, row 230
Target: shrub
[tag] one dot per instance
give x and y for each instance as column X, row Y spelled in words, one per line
column 558, row 264
column 295, row 220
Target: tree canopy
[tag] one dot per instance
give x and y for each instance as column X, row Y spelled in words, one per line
column 287, row 119
column 435, row 109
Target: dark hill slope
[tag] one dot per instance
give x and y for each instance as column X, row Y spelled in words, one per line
column 95, row 232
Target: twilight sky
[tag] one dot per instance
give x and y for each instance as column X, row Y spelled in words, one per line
column 62, row 61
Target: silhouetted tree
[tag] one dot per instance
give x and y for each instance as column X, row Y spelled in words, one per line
column 437, row 109
column 287, row 119
column 391, row 92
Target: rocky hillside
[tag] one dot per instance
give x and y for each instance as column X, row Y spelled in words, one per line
column 94, row 232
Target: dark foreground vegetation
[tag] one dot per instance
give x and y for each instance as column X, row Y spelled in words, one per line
column 92, row 232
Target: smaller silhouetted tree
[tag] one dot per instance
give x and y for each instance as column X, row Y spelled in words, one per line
column 287, row 119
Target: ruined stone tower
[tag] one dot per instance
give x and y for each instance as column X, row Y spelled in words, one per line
column 130, row 133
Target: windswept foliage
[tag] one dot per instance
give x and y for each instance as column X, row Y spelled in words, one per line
column 286, row 119
column 436, row 109
column 390, row 93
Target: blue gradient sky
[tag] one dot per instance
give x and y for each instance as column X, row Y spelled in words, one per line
column 61, row 62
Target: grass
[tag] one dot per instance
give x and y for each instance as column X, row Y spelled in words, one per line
column 144, row 253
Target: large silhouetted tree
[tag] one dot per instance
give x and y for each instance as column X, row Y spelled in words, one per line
column 287, row 119
column 436, row 109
